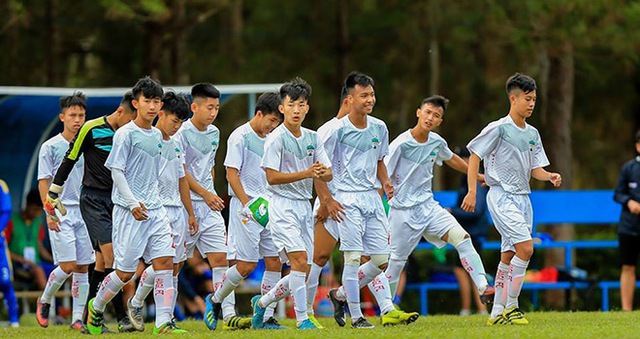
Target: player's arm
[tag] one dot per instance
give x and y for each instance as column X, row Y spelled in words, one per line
column 333, row 208
column 43, row 188
column 469, row 202
column 542, row 175
column 137, row 208
column 622, row 194
column 383, row 176
column 233, row 178
column 185, row 197
column 457, row 164
column 213, row 201
column 275, row 177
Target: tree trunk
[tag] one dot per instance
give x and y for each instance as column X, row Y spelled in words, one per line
column 557, row 134
column 237, row 24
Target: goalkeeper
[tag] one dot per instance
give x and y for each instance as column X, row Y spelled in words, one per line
column 248, row 239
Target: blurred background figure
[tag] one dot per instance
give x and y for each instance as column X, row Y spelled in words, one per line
column 6, row 274
column 476, row 224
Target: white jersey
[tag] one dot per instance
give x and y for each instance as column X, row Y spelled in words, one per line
column 285, row 153
column 199, row 151
column 52, row 153
column 358, row 152
column 410, row 166
column 509, row 153
column 136, row 151
column 171, row 171
column 324, row 132
column 244, row 153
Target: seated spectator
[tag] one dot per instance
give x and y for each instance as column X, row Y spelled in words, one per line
column 24, row 234
column 194, row 282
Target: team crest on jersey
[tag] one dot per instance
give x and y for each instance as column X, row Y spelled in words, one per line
column 532, row 145
column 375, row 142
column 433, row 155
column 160, row 147
column 310, row 149
column 177, row 152
column 215, row 145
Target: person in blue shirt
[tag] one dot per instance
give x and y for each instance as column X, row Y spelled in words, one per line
column 627, row 193
column 6, row 274
column 477, row 225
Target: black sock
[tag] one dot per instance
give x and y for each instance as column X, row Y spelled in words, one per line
column 117, row 301
column 94, row 283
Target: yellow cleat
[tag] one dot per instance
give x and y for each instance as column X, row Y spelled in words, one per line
column 236, row 323
column 392, row 318
column 499, row 320
column 315, row 321
column 515, row 316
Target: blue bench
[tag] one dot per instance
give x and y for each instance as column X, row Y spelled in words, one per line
column 550, row 207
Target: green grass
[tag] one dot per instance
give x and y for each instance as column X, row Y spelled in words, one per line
column 543, row 325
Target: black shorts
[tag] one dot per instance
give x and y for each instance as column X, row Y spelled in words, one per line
column 477, row 244
column 97, row 208
column 629, row 249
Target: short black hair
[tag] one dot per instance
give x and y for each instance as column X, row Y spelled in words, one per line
column 343, row 94
column 150, row 88
column 268, row 104
column 33, row 198
column 76, row 99
column 638, row 136
column 205, row 90
column 296, row 88
column 176, row 104
column 436, row 100
column 522, row 82
column 126, row 101
column 357, row 78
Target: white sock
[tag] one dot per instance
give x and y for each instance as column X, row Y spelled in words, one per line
column 299, row 293
column 352, row 290
column 111, row 285
column 393, row 271
column 175, row 292
column 517, row 270
column 163, row 296
column 500, row 298
column 79, row 291
column 56, row 279
column 269, row 279
column 379, row 287
column 147, row 279
column 312, row 285
column 231, row 280
column 277, row 293
column 472, row 264
column 229, row 302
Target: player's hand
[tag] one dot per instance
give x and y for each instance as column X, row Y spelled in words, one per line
column 53, row 202
column 256, row 209
column 140, row 213
column 556, row 179
column 53, row 223
column 387, row 187
column 469, row 202
column 322, row 214
column 335, row 210
column 213, row 201
column 193, row 225
column 634, row 206
column 316, row 170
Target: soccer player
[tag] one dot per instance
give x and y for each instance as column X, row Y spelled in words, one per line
column 513, row 153
column 326, row 233
column 413, row 212
column 199, row 140
column 293, row 157
column 248, row 239
column 360, row 142
column 6, row 274
column 140, row 225
column 174, row 194
column 94, row 141
column 70, row 242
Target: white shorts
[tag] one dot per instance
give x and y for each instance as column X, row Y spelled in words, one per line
column 72, row 243
column 291, row 225
column 408, row 225
column 133, row 239
column 330, row 225
column 179, row 221
column 212, row 234
column 512, row 215
column 365, row 227
column 248, row 242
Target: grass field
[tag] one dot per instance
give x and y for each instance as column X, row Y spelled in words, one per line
column 543, row 325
